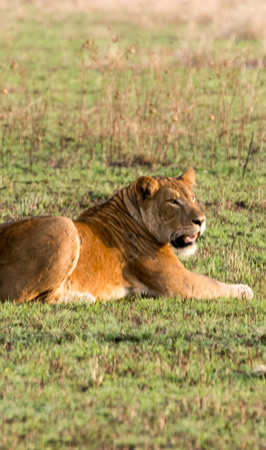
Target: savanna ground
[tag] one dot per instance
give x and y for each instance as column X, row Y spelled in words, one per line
column 89, row 100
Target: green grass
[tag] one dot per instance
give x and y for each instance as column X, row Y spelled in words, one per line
column 75, row 126
column 154, row 373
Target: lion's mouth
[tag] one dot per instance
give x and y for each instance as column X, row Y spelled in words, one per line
column 184, row 241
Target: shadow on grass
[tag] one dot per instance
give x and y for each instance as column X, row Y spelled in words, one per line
column 125, row 337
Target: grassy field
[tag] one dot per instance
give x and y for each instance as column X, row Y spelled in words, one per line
column 88, row 102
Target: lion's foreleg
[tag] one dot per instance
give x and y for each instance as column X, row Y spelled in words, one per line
column 202, row 287
column 166, row 276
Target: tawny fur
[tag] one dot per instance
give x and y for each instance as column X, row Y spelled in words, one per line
column 115, row 249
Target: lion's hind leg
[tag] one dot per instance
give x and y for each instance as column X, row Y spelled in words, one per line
column 36, row 257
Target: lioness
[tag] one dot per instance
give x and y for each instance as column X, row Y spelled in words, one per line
column 121, row 247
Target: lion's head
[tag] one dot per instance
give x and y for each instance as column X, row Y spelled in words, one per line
column 170, row 211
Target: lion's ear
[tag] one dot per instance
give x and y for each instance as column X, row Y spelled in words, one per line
column 188, row 178
column 146, row 187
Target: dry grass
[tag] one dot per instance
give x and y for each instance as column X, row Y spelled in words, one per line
column 147, row 94
column 226, row 18
column 147, row 107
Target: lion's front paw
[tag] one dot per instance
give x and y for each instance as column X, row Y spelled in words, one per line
column 243, row 291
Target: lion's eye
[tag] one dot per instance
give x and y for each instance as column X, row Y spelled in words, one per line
column 174, row 201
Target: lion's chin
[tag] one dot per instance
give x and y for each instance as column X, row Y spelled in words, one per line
column 185, row 245
column 186, row 252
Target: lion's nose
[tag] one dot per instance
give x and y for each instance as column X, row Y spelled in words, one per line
column 199, row 220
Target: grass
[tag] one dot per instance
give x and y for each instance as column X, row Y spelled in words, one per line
column 126, row 374
column 85, row 109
